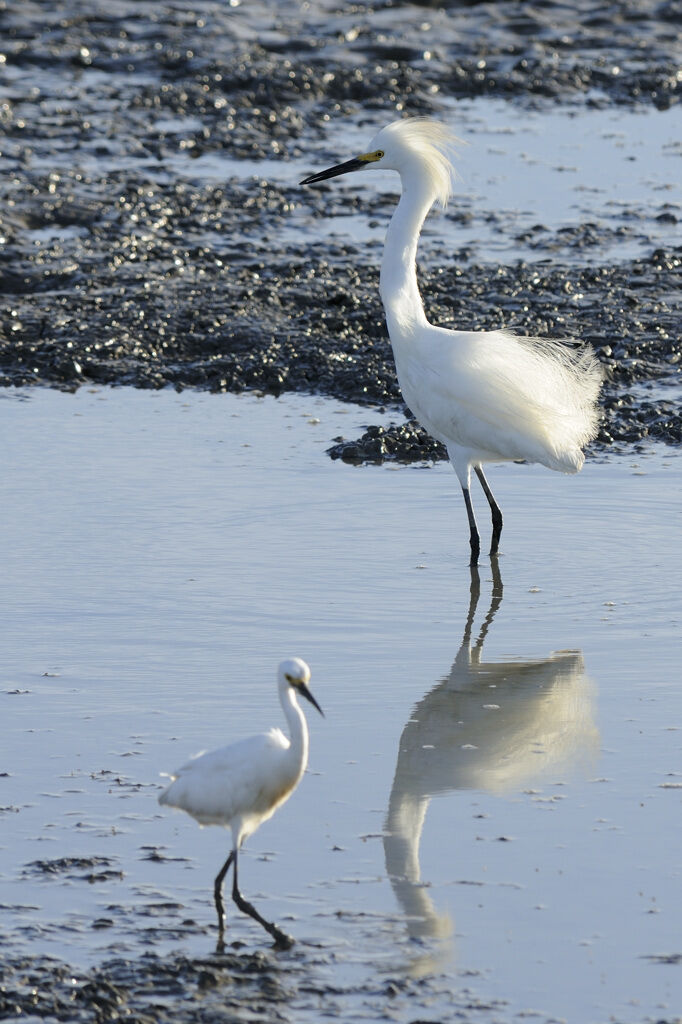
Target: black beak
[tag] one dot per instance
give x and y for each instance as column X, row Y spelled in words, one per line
column 332, row 172
column 303, row 689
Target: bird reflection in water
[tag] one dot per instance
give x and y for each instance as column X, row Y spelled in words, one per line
column 488, row 725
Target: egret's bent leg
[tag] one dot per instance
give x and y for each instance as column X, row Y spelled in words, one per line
column 283, row 940
column 474, row 539
column 218, row 892
column 494, row 508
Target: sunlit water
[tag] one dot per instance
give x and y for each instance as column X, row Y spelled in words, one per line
column 479, row 808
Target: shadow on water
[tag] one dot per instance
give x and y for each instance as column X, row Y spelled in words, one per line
column 487, row 725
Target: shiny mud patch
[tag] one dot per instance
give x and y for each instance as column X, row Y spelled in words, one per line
column 254, row 988
column 154, row 232
column 237, row 986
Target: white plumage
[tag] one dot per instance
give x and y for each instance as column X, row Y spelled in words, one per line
column 242, row 785
column 488, row 396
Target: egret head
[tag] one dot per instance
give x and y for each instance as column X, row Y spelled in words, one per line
column 417, row 147
column 295, row 673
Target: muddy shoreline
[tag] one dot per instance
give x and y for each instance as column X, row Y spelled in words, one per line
column 118, row 269
column 115, row 270
column 123, row 302
column 222, row 987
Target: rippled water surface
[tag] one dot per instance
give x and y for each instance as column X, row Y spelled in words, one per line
column 493, row 799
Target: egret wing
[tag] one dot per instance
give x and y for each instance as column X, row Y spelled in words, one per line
column 215, row 787
column 514, row 396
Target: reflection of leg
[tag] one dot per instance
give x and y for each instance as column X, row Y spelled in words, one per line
column 218, row 892
column 474, row 539
column 281, row 939
column 495, row 602
column 474, row 594
column 497, row 579
column 494, row 508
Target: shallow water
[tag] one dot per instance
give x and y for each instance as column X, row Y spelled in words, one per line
column 161, row 552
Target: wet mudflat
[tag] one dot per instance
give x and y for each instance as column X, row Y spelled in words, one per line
column 492, row 804
column 154, row 232
column 488, row 816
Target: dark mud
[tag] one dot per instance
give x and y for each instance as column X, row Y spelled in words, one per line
column 223, row 988
column 114, row 269
column 134, row 294
column 83, row 869
column 266, row 56
column 151, row 988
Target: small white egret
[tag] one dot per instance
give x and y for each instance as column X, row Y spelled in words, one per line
column 488, row 396
column 242, row 785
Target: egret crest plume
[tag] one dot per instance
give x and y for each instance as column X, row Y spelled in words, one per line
column 433, row 145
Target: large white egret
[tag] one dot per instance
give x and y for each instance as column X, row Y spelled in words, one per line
column 488, row 396
column 242, row 785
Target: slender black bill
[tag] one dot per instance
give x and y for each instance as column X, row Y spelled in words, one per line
column 332, row 172
column 303, row 689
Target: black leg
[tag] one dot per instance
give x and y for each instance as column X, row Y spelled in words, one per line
column 495, row 510
column 282, row 940
column 218, row 892
column 474, row 539
column 498, row 589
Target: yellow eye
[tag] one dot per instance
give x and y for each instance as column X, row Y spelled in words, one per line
column 379, row 153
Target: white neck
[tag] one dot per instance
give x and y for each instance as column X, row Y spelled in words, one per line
column 298, row 728
column 398, row 281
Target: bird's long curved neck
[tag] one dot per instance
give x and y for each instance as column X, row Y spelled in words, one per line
column 298, row 730
column 398, row 282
